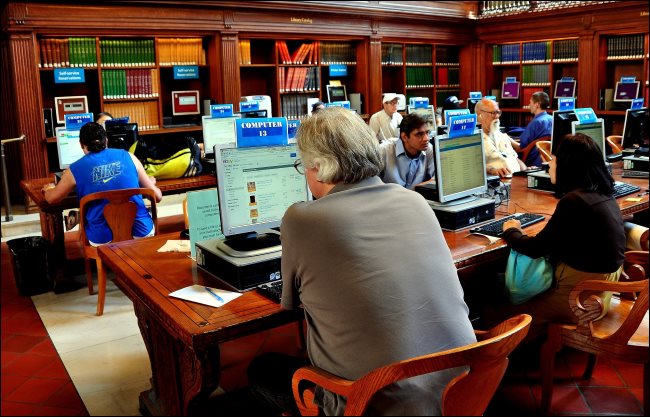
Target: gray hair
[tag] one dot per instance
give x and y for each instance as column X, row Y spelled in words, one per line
column 340, row 144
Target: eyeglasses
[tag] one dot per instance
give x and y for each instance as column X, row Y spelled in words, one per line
column 299, row 167
column 495, row 113
column 423, row 133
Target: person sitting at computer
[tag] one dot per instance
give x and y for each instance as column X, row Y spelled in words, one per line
column 500, row 158
column 585, row 236
column 102, row 117
column 359, row 260
column 409, row 160
column 541, row 125
column 385, row 123
column 104, row 169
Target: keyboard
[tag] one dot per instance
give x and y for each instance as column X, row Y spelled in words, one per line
column 630, row 173
column 495, row 227
column 272, row 290
column 623, row 188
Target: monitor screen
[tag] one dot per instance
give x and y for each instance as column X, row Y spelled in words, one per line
column 626, row 91
column 510, row 90
column 635, row 130
column 121, row 136
column 68, row 147
column 565, row 88
column 471, row 104
column 454, row 112
column 460, row 166
column 428, row 112
column 218, row 131
column 256, row 186
column 253, row 114
column 561, row 126
column 595, row 131
column 336, row 93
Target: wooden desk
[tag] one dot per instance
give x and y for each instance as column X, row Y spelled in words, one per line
column 183, row 338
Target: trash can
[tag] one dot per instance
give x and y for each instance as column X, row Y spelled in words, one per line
column 30, row 265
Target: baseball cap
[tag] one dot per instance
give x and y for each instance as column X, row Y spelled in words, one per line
column 452, row 99
column 388, row 97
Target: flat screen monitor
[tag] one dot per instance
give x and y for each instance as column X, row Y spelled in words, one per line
column 453, row 112
column 256, row 186
column 218, row 131
column 510, row 90
column 596, row 131
column 336, row 93
column 122, row 135
column 67, row 146
column 460, row 167
column 561, row 126
column 253, row 114
column 635, row 129
column 428, row 112
column 471, row 104
column 626, row 91
column 566, row 88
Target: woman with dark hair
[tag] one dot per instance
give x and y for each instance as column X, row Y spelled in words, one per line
column 584, row 238
column 104, row 169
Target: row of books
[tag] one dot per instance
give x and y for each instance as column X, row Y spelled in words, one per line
column 534, row 75
column 130, row 83
column 565, row 50
column 305, row 53
column 447, row 55
column 392, row 54
column 338, row 53
column 449, row 77
column 67, row 52
column 245, row 52
column 627, row 46
column 299, row 79
column 127, row 52
column 419, row 54
column 294, row 106
column 419, row 77
column 181, row 51
column 144, row 113
column 505, row 54
column 537, row 51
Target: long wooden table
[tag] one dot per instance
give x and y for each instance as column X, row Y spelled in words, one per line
column 183, row 338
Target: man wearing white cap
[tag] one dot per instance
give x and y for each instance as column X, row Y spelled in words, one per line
column 385, row 123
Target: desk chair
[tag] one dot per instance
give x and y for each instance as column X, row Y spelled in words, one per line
column 526, row 150
column 544, row 147
column 614, row 142
column 636, row 236
column 467, row 394
column 120, row 216
column 622, row 334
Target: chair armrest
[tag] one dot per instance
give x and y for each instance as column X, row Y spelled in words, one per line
column 304, row 395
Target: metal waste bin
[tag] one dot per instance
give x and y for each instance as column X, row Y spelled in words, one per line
column 30, row 265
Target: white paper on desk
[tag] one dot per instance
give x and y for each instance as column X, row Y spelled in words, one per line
column 491, row 239
column 175, row 246
column 199, row 294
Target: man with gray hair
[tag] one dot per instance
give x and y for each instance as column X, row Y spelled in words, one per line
column 369, row 264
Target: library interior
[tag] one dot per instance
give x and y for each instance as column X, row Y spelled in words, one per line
column 224, row 109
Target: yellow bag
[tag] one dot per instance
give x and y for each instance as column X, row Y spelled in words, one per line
column 182, row 163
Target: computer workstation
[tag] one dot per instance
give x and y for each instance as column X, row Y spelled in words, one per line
column 635, row 140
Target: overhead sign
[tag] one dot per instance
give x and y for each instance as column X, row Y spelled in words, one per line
column 186, row 72
column 75, row 121
column 637, row 103
column 566, row 103
column 475, row 95
column 220, row 110
column 627, row 80
column 261, row 132
column 338, row 70
column 249, row 105
column 419, row 102
column 462, row 125
column 586, row 115
column 69, row 75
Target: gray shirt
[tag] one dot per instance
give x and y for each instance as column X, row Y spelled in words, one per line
column 397, row 164
column 385, row 126
column 374, row 291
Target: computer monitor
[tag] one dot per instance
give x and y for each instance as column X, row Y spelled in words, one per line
column 561, row 126
column 625, row 92
column 565, row 88
column 218, row 131
column 595, row 131
column 471, row 104
column 510, row 90
column 256, row 186
column 122, row 135
column 428, row 112
column 67, row 146
column 253, row 114
column 336, row 93
column 635, row 130
column 453, row 112
column 460, row 168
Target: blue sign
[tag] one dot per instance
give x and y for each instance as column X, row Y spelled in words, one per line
column 344, row 104
column 75, row 121
column 69, row 75
column 338, row 70
column 292, row 129
column 186, row 72
column 419, row 102
column 627, row 80
column 220, row 110
column 566, row 79
column 249, row 105
column 511, row 80
column 586, row 115
column 462, row 125
column 637, row 103
column 493, row 98
column 261, row 132
column 566, row 103
column 475, row 95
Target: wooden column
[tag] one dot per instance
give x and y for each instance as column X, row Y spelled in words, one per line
column 588, row 71
column 230, row 68
column 373, row 101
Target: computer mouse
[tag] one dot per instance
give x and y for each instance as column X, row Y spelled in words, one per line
column 185, row 234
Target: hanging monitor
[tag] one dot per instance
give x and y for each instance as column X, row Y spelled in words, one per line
column 565, row 88
column 625, row 92
column 510, row 90
column 336, row 93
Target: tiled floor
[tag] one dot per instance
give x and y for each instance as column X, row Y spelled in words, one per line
column 35, row 382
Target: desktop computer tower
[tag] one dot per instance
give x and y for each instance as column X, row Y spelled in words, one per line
column 540, row 180
column 460, row 216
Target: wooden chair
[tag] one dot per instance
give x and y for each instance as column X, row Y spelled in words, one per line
column 614, row 142
column 544, row 147
column 120, row 216
column 622, row 334
column 526, row 150
column 636, row 236
column 467, row 394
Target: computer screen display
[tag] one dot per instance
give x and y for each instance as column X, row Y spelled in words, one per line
column 121, row 136
column 218, row 131
column 635, row 130
column 565, row 88
column 460, row 166
column 68, row 147
column 561, row 126
column 626, row 91
column 471, row 104
column 595, row 131
column 256, row 186
column 428, row 112
column 336, row 93
column 454, row 112
column 510, row 90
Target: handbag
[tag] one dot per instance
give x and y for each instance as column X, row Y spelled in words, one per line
column 526, row 277
column 174, row 158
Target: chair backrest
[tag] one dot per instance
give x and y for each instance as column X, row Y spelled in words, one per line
column 530, row 146
column 467, row 394
column 636, row 236
column 119, row 212
column 544, row 147
column 614, row 142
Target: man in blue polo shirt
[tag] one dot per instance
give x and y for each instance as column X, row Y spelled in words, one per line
column 540, row 126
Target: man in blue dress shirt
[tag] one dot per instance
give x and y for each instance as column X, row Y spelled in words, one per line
column 541, row 125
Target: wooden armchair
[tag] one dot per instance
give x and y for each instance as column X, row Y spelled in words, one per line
column 622, row 334
column 526, row 150
column 544, row 147
column 467, row 394
column 120, row 216
column 614, row 142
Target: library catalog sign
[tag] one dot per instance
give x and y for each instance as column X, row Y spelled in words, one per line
column 69, row 75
